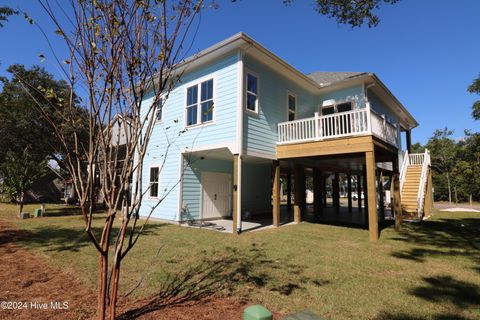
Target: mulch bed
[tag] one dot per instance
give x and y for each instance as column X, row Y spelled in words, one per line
column 30, row 284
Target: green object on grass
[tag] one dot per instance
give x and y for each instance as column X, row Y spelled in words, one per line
column 257, row 312
column 37, row 213
column 304, row 315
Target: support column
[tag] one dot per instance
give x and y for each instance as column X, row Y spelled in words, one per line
column 324, row 194
column 289, row 191
column 317, row 192
column 365, row 195
column 236, row 193
column 349, row 192
column 336, row 192
column 359, row 192
column 372, row 195
column 299, row 206
column 408, row 136
column 397, row 201
column 276, row 194
column 381, row 203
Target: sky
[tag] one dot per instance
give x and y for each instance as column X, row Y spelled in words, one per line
column 426, row 51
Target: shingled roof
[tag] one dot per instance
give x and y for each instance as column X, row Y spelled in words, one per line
column 327, row 78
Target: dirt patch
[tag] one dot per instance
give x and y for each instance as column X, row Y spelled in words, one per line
column 36, row 290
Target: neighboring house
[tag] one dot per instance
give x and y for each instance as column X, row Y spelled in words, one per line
column 120, row 132
column 49, row 188
column 250, row 118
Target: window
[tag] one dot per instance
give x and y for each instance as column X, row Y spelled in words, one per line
column 344, row 107
column 206, row 101
column 159, row 110
column 192, row 105
column 291, row 106
column 154, row 173
column 252, row 92
column 332, row 106
column 194, row 116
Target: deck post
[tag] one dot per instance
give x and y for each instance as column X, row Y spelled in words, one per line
column 349, row 192
column 317, row 192
column 365, row 194
column 336, row 192
column 371, row 195
column 381, row 203
column 408, row 138
column 276, row 194
column 324, row 194
column 299, row 204
column 289, row 191
column 359, row 192
column 235, row 192
column 397, row 200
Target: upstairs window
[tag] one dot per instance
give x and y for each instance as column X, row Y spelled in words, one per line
column 153, row 181
column 207, row 101
column 159, row 110
column 204, row 101
column 332, row 106
column 291, row 106
column 252, row 93
column 192, row 105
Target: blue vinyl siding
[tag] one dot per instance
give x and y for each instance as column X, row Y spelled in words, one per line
column 221, row 131
column 381, row 108
column 191, row 182
column 260, row 131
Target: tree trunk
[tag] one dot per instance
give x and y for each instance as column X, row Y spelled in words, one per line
column 102, row 286
column 449, row 189
column 20, row 203
column 103, row 267
column 116, row 270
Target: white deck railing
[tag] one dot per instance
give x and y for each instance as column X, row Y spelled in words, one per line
column 338, row 125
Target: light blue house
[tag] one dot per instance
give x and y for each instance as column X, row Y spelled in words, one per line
column 252, row 124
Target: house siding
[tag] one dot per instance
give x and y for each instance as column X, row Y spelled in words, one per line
column 191, row 183
column 257, row 186
column 260, row 130
column 221, row 132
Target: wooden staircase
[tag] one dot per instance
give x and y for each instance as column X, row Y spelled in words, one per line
column 416, row 186
column 410, row 191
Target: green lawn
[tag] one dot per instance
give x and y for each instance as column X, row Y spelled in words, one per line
column 430, row 270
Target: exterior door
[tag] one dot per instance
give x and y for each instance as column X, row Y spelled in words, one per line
column 216, row 195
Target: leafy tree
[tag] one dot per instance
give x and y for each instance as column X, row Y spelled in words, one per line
column 417, row 148
column 443, row 153
column 5, row 12
column 349, row 12
column 475, row 88
column 19, row 171
column 23, row 122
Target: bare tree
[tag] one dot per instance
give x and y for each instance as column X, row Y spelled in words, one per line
column 118, row 53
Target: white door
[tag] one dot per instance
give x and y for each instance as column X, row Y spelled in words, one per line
column 216, row 195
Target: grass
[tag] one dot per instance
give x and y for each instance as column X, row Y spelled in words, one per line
column 430, row 270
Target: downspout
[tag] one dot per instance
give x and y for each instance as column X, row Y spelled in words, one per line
column 240, row 100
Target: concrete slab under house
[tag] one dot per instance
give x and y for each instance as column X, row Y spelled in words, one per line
column 265, row 145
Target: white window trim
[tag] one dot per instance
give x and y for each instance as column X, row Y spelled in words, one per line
column 336, row 103
column 149, row 182
column 255, row 112
column 198, row 82
column 293, row 94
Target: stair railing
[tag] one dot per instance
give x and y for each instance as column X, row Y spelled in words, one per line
column 403, row 169
column 423, row 182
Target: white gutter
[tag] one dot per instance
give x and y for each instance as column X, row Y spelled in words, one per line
column 240, row 80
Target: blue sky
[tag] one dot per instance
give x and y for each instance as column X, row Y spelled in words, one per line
column 427, row 52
